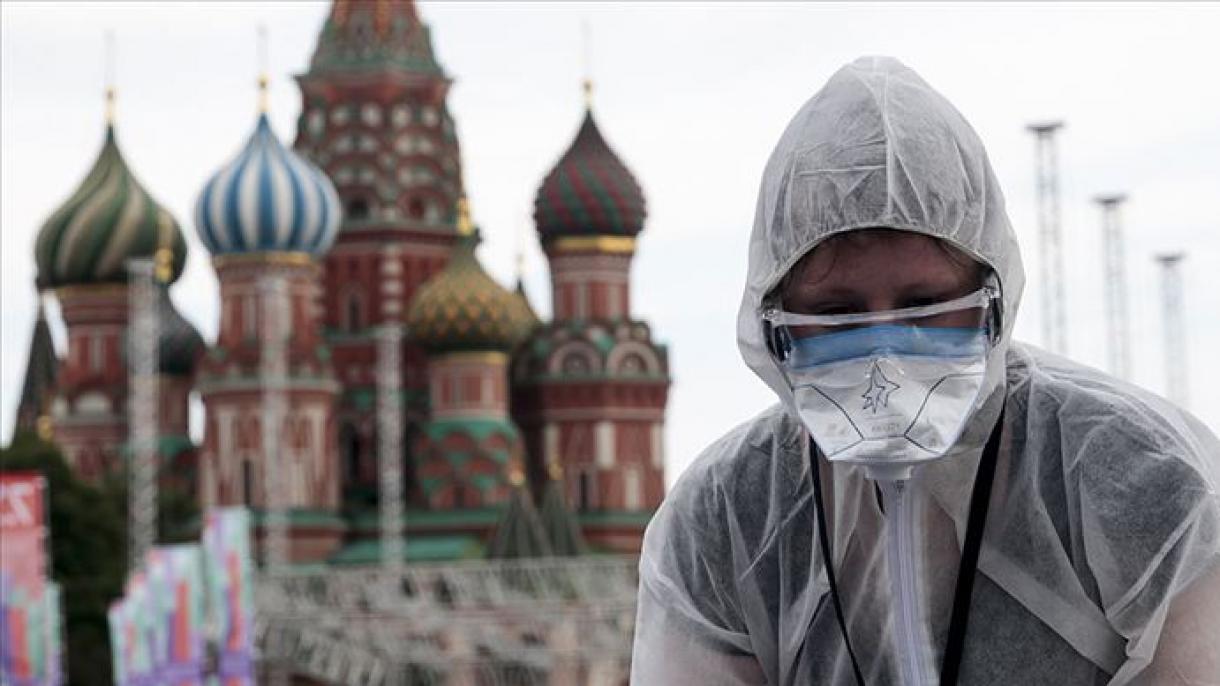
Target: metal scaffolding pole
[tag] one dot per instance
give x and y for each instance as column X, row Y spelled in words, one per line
column 1054, row 316
column 389, row 444
column 273, row 291
column 275, row 307
column 1174, row 328
column 1115, row 271
column 142, row 359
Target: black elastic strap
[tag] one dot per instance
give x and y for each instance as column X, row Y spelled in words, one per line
column 980, row 501
column 828, row 562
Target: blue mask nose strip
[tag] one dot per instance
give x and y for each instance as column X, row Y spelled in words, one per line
column 886, row 339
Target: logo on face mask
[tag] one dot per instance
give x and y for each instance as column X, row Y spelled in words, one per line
column 879, row 389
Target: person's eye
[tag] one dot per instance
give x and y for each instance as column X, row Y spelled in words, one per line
column 918, row 302
column 831, row 309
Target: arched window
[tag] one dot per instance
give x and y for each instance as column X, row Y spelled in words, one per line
column 584, row 491
column 349, row 447
column 633, row 363
column 358, row 209
column 633, row 489
column 247, row 482
column 415, row 208
column 575, row 363
column 353, row 312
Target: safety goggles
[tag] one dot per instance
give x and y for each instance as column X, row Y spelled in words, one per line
column 937, row 329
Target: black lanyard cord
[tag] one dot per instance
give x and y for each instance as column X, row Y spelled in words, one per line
column 828, row 562
column 980, row 499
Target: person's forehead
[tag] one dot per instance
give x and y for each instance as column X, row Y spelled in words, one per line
column 881, row 254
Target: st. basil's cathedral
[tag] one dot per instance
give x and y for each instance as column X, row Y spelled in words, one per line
column 366, row 219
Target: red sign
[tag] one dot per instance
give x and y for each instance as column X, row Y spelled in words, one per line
column 23, row 530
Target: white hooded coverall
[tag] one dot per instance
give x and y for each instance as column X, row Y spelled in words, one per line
column 1100, row 561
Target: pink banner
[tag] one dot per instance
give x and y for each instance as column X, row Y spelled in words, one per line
column 23, row 530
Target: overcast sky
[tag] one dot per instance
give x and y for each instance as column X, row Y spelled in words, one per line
column 692, row 96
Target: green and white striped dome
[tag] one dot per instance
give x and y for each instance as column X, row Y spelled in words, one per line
column 109, row 219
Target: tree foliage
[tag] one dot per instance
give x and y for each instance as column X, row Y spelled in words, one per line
column 88, row 546
column 87, row 550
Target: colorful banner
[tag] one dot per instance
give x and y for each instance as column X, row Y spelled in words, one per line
column 137, row 637
column 230, row 594
column 23, row 529
column 177, row 606
column 184, row 598
column 30, row 640
column 119, row 643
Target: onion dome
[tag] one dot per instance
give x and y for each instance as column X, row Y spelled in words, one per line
column 268, row 199
column 181, row 345
column 589, row 192
column 108, row 220
column 462, row 308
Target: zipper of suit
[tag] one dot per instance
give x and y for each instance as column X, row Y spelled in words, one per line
column 909, row 619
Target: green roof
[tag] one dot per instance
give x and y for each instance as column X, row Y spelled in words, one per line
column 479, row 429
column 302, row 517
column 414, row 550
column 425, row 519
column 168, row 446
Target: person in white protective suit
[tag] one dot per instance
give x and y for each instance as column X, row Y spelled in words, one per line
column 930, row 502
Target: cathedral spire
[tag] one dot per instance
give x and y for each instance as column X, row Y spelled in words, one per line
column 41, row 367
column 110, row 91
column 263, row 78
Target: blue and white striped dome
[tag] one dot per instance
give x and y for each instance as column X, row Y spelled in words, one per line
column 268, row 199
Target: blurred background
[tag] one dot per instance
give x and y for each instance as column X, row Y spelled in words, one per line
column 690, row 98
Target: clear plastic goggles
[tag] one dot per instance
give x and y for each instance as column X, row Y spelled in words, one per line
column 940, row 329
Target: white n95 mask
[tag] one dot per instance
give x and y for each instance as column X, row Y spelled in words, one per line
column 887, row 390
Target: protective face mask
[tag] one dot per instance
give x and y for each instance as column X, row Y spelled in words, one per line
column 887, row 390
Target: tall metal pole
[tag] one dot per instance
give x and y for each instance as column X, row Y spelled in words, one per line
column 142, row 360
column 1054, row 316
column 1115, row 271
column 1175, row 331
column 273, row 292
column 389, row 411
column 389, row 445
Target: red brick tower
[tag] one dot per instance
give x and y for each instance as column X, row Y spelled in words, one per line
column 267, row 213
column 468, row 323
column 374, row 118
column 590, row 387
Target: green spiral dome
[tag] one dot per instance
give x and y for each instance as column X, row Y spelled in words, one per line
column 107, row 220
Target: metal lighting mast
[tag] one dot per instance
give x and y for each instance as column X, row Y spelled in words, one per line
column 389, row 412
column 1175, row 331
column 1115, row 272
column 142, row 353
column 274, row 295
column 1054, row 317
